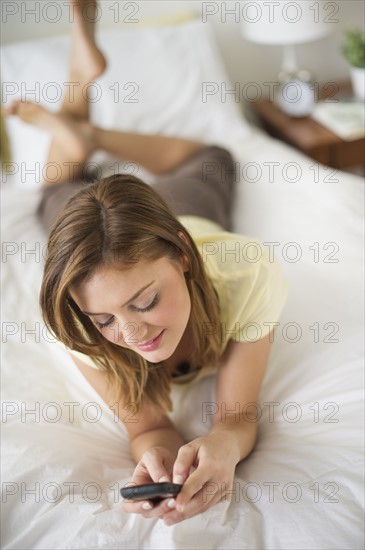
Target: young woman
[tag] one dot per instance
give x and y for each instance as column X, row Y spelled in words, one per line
column 146, row 287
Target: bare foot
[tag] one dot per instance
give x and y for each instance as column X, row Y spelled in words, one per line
column 73, row 138
column 28, row 112
column 87, row 61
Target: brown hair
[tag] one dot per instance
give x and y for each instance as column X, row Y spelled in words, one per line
column 121, row 220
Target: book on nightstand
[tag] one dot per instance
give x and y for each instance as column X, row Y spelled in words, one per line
column 344, row 118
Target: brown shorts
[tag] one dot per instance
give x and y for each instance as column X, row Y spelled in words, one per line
column 201, row 186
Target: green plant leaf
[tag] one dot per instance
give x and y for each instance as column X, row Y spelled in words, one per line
column 353, row 47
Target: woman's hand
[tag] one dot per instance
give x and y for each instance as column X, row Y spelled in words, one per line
column 214, row 458
column 155, row 466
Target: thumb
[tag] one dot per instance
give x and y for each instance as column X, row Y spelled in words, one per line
column 185, row 460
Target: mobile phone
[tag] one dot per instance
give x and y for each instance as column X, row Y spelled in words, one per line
column 150, row 491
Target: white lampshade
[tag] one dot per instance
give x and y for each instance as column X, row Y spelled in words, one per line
column 286, row 22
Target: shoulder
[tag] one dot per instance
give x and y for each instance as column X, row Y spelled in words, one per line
column 251, row 286
column 226, row 255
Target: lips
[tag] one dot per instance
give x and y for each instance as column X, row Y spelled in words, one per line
column 151, row 344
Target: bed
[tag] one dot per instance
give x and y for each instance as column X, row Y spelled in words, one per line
column 64, row 454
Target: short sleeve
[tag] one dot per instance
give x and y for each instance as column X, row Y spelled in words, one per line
column 250, row 284
column 254, row 300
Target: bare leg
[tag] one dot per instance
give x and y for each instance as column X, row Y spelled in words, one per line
column 158, row 154
column 74, row 141
column 71, row 144
column 73, row 138
column 86, row 61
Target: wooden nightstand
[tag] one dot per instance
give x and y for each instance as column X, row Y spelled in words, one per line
column 309, row 136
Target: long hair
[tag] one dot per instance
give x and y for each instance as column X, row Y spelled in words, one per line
column 120, row 220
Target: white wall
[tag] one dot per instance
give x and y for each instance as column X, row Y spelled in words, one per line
column 245, row 61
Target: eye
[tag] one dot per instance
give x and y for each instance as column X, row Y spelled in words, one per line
column 148, row 308
column 142, row 310
column 103, row 325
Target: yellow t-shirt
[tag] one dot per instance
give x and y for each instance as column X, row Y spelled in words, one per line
column 251, row 289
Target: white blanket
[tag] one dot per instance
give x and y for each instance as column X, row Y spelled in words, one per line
column 301, row 487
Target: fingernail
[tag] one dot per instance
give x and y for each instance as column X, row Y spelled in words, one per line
column 146, row 506
column 171, row 503
column 179, row 479
column 164, row 479
column 180, row 508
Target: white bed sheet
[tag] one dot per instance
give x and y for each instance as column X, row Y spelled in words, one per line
column 301, row 488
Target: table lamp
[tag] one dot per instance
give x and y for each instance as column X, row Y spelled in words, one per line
column 285, row 23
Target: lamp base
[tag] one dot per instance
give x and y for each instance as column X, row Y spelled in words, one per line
column 358, row 82
column 296, row 93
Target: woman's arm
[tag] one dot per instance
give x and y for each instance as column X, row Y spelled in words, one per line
column 149, row 428
column 232, row 436
column 239, row 380
column 154, row 442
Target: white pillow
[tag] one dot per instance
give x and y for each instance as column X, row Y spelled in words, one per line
column 155, row 83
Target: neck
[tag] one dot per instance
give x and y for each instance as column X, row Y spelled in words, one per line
column 183, row 353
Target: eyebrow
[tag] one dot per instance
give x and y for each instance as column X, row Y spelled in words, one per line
column 138, row 293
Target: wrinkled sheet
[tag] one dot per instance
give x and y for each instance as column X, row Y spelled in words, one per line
column 302, row 486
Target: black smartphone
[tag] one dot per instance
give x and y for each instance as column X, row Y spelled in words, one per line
column 150, row 491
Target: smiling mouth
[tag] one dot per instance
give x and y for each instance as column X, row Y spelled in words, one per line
column 150, row 345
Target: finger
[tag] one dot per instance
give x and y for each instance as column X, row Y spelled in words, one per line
column 143, row 507
column 149, row 509
column 153, row 462
column 184, row 461
column 197, row 505
column 192, row 486
column 142, row 475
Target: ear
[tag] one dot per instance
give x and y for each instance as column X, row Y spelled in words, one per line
column 183, row 237
column 184, row 258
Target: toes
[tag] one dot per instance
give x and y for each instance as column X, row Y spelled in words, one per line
column 12, row 108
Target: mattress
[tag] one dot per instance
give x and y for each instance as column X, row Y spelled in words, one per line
column 65, row 455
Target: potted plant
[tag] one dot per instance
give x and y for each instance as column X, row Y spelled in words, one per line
column 354, row 51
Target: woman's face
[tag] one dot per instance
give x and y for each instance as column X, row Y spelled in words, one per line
column 145, row 308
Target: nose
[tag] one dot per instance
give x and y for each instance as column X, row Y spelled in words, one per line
column 131, row 333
